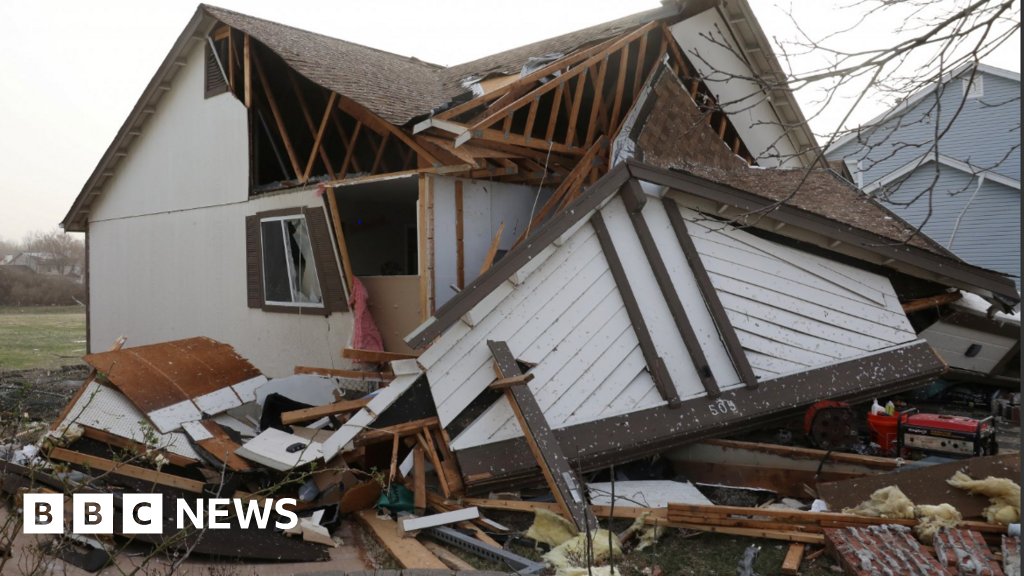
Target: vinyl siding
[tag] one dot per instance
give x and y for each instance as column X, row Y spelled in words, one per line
column 984, row 133
column 989, row 233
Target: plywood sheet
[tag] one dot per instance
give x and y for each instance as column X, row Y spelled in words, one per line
column 926, row 485
column 646, row 494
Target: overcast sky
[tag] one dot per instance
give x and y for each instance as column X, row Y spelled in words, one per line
column 70, row 71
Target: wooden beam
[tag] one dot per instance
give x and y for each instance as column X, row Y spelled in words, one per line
column 641, row 61
column 488, row 135
column 794, row 557
column 247, row 71
column 419, row 468
column 368, row 437
column 561, row 478
column 655, row 365
column 375, row 123
column 339, row 233
column 677, row 55
column 343, row 134
column 96, row 463
column 933, row 302
column 375, row 356
column 635, row 199
column 265, row 83
column 318, row 412
column 137, row 447
column 407, row 551
column 574, row 114
column 427, row 442
column 595, row 106
column 319, row 138
column 556, row 108
column 349, row 374
column 493, row 250
column 521, row 380
column 710, row 294
column 231, row 61
column 620, row 89
column 377, row 162
column 350, row 150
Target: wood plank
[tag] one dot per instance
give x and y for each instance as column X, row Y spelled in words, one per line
column 419, row 468
column 449, row 558
column 503, row 383
column 319, row 138
column 96, row 463
column 382, row 127
column 574, row 114
column 597, row 100
column 222, row 447
column 427, row 443
column 368, row 437
column 339, row 234
column 710, row 294
column 349, row 374
column 795, row 556
column 561, row 478
column 137, row 447
column 493, row 250
column 377, row 162
column 317, row 412
column 375, row 356
column 655, row 365
column 620, row 88
column 933, row 302
column 407, row 551
column 351, row 149
column 556, row 108
column 635, row 199
column 265, row 83
column 311, row 125
column 247, row 71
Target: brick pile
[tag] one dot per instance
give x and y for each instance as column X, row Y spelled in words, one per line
column 880, row 551
column 965, row 553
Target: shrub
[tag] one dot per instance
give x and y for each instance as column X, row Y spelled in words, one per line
column 20, row 288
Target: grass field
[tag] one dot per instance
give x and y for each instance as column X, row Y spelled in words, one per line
column 38, row 337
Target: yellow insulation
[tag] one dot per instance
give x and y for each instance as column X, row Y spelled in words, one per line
column 573, row 553
column 1004, row 495
column 889, row 502
column 551, row 529
column 934, row 518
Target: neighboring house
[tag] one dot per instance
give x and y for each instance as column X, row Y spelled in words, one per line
column 974, row 170
column 45, row 263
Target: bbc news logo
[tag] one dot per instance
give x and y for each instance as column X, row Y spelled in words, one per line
column 144, row 513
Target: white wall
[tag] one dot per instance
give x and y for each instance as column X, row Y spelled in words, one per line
column 167, row 240
column 724, row 72
column 485, row 205
column 192, row 152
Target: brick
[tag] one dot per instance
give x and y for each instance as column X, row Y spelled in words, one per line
column 965, row 553
column 880, row 551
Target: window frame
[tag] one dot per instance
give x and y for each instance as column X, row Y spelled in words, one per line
column 290, row 264
column 321, row 309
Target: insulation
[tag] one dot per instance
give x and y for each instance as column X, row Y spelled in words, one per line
column 889, row 502
column 602, row 571
column 1003, row 493
column 935, row 518
column 551, row 529
column 574, row 552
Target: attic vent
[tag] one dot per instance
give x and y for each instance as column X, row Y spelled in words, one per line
column 216, row 83
column 974, row 89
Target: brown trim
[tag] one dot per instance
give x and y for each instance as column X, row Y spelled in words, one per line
column 604, row 442
column 87, row 278
column 332, row 284
column 477, row 290
column 545, row 447
column 935, row 263
column 635, row 199
column 655, row 365
column 304, row 211
column 711, row 299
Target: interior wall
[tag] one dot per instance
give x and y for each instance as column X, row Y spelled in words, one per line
column 485, row 205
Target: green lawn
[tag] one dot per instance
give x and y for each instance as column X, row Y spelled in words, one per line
column 38, row 337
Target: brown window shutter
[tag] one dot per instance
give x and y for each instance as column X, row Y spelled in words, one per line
column 215, row 81
column 253, row 262
column 332, row 286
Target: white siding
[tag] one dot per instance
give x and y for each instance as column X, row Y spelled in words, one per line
column 952, row 342
column 793, row 311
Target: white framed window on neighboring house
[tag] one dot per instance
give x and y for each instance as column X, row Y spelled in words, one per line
column 291, row 265
column 974, row 89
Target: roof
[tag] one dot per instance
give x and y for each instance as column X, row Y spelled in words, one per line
column 965, row 167
column 396, row 88
column 674, row 136
column 915, row 98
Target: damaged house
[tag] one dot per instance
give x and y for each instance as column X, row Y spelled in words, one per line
column 571, row 252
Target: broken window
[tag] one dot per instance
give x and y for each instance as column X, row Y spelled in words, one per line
column 289, row 271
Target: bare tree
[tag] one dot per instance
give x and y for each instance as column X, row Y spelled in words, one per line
column 924, row 44
column 62, row 249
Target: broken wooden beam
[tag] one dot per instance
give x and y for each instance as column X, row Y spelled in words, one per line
column 97, row 463
column 374, row 356
column 347, row 374
column 794, row 557
column 559, row 474
column 407, row 551
column 368, row 437
column 315, row 413
column 934, row 301
column 505, row 383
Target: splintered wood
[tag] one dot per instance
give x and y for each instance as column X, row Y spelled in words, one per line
column 880, row 551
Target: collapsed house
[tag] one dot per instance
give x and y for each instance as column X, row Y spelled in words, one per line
column 552, row 260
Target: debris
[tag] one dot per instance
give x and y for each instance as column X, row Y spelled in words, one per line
column 407, row 551
column 933, row 519
column 889, row 502
column 794, row 557
column 1002, row 492
column 880, row 550
column 455, row 517
column 590, row 548
column 280, row 451
column 551, row 528
column 965, row 553
column 1011, row 555
column 746, row 567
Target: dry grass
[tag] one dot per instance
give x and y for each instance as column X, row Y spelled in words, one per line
column 43, row 337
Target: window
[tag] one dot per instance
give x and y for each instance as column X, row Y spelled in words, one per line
column 291, row 264
column 974, row 89
column 289, row 271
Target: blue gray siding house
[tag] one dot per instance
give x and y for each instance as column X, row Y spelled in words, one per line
column 973, row 172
